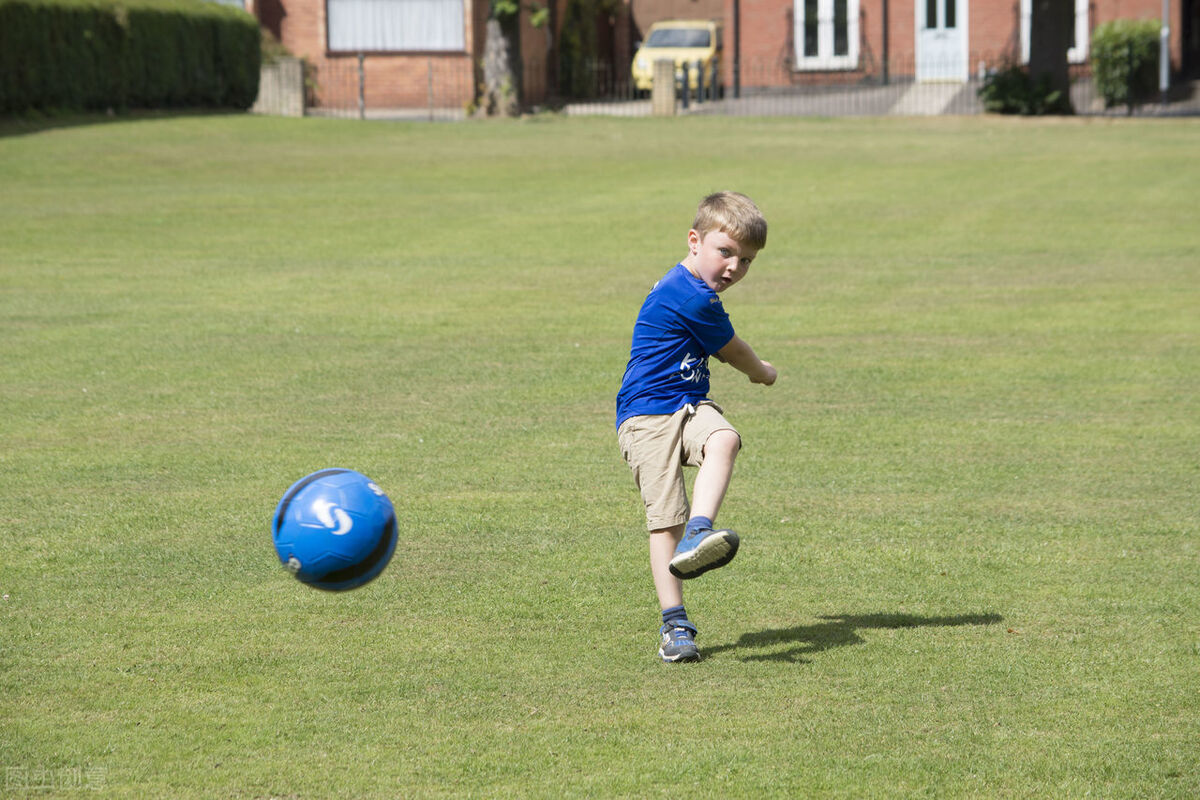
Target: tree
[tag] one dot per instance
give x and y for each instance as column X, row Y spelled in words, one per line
column 1050, row 27
column 502, row 60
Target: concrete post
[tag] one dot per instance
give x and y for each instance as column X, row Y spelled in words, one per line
column 362, row 88
column 281, row 88
column 662, row 96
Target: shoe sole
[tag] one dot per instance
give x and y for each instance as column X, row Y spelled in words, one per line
column 713, row 552
column 682, row 658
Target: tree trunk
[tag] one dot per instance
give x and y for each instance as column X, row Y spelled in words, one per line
column 1050, row 26
column 501, row 66
column 551, row 69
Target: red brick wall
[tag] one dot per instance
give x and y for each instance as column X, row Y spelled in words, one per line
column 391, row 80
column 995, row 32
column 902, row 34
column 767, row 48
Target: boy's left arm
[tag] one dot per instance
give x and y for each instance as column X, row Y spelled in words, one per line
column 741, row 356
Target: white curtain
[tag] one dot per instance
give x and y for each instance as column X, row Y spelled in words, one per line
column 391, row 25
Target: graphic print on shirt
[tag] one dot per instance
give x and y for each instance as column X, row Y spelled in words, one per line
column 693, row 370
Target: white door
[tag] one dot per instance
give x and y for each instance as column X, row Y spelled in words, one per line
column 941, row 40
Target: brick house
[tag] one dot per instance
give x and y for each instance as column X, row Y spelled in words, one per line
column 413, row 50
column 790, row 42
column 418, row 49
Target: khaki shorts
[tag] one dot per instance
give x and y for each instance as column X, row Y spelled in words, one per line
column 657, row 446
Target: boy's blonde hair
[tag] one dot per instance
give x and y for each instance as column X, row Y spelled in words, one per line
column 734, row 214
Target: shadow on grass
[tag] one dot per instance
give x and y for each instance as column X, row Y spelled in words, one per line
column 37, row 122
column 840, row 631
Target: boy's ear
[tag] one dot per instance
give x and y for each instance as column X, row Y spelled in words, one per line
column 694, row 239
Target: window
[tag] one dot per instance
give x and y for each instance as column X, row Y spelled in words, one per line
column 1079, row 38
column 826, row 34
column 395, row 25
column 679, row 37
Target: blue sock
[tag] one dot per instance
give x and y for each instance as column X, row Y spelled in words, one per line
column 697, row 524
column 673, row 613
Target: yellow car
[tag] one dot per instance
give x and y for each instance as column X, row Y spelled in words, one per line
column 679, row 40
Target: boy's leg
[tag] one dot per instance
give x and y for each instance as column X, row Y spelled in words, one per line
column 712, row 480
column 701, row 548
column 652, row 446
column 662, row 549
column 678, row 634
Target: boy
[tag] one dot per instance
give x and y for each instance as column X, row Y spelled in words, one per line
column 664, row 417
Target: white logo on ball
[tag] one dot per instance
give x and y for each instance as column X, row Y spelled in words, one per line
column 332, row 517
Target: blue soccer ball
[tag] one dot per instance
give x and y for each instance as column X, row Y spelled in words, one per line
column 335, row 529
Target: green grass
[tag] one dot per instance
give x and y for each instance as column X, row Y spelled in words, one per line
column 969, row 506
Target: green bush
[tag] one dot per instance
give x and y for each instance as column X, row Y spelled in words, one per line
column 1125, row 61
column 1012, row 91
column 273, row 50
column 89, row 55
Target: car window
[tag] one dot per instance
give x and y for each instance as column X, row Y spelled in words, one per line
column 678, row 37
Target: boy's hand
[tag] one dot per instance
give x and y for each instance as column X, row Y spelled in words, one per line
column 768, row 375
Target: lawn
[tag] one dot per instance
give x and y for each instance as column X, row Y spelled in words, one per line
column 969, row 508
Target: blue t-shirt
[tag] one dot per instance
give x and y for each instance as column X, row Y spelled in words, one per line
column 680, row 325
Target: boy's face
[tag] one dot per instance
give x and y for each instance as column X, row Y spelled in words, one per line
column 718, row 259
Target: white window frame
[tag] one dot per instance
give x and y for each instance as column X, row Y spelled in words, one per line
column 395, row 26
column 1077, row 54
column 825, row 59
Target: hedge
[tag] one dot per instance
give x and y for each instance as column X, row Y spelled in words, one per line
column 1125, row 61
column 93, row 55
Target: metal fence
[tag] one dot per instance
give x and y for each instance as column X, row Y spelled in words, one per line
column 436, row 89
column 370, row 87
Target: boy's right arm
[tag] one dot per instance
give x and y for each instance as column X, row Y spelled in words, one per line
column 742, row 357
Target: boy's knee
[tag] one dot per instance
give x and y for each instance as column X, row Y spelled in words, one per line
column 724, row 442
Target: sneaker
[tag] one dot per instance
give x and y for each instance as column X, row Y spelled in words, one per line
column 702, row 550
column 678, row 642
